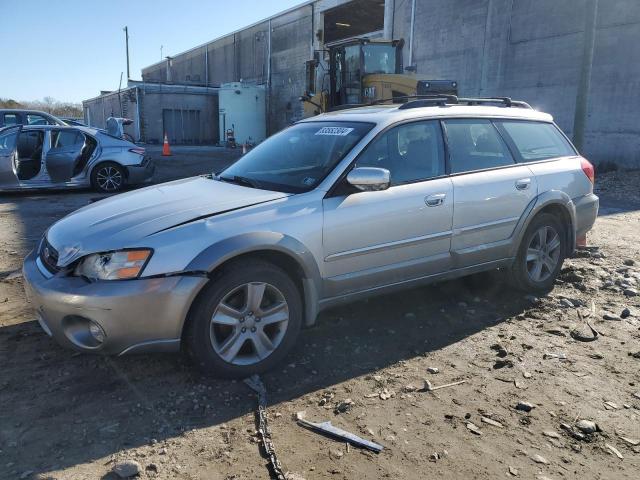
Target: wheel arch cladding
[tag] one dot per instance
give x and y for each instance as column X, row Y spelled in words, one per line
column 560, row 205
column 281, row 250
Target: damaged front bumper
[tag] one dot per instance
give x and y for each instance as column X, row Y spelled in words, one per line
column 111, row 317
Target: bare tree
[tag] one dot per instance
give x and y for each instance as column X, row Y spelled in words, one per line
column 47, row 104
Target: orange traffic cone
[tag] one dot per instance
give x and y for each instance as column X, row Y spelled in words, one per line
column 166, row 151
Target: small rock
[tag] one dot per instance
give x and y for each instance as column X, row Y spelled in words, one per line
column 625, row 313
column 540, row 459
column 629, row 262
column 573, row 277
column 386, row 394
column 502, row 364
column 526, row 374
column 587, row 426
column 126, row 469
column 551, row 434
column 630, row 292
column 344, row 406
column 26, row 474
column 525, row 406
column 513, row 471
column 427, row 386
column 610, row 316
column 336, row 453
column 433, row 370
column 565, row 302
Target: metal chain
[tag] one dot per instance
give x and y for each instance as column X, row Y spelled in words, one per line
column 275, row 467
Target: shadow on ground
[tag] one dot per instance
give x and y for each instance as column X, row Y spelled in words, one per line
column 104, row 405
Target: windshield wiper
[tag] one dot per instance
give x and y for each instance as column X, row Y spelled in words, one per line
column 247, row 182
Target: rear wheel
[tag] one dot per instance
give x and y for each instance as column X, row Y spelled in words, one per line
column 245, row 321
column 540, row 255
column 108, row 177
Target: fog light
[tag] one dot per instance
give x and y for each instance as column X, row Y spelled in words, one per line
column 96, row 332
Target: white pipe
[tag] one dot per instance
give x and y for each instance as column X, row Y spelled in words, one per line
column 413, row 23
column 138, row 115
column 206, row 65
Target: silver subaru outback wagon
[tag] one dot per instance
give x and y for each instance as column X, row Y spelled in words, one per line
column 338, row 207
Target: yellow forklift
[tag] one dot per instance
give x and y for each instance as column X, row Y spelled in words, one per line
column 363, row 71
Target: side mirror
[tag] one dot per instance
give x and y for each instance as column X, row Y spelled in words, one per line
column 369, row 179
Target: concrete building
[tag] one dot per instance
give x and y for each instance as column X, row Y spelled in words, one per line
column 533, row 50
column 187, row 113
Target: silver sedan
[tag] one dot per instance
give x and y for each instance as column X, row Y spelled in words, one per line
column 52, row 156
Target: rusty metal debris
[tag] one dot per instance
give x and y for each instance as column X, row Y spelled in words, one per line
column 275, row 467
column 327, row 428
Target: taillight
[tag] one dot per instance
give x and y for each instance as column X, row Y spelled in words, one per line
column 588, row 169
column 139, row 151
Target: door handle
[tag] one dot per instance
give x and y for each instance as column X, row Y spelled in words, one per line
column 435, row 199
column 523, row 183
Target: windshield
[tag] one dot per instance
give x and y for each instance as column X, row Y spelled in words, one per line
column 379, row 58
column 297, row 159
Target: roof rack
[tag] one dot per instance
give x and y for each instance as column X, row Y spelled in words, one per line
column 444, row 100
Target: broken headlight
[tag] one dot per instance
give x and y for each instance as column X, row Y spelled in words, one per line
column 121, row 265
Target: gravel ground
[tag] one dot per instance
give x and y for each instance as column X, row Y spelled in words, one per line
column 75, row 416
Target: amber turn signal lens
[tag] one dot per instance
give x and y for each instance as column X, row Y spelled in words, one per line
column 137, row 255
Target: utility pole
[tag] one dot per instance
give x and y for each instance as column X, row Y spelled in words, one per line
column 582, row 96
column 161, row 47
column 126, row 39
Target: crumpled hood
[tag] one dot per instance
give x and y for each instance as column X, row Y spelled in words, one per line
column 124, row 220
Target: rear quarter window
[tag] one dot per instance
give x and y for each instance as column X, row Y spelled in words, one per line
column 536, row 141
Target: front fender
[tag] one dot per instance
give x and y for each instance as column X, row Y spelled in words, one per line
column 542, row 201
column 220, row 252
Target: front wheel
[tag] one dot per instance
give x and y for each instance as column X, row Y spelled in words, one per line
column 540, row 256
column 108, row 177
column 245, row 321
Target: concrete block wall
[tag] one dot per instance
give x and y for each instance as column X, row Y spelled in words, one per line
column 532, row 50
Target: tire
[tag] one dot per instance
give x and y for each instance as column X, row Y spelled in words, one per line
column 524, row 273
column 108, row 177
column 225, row 332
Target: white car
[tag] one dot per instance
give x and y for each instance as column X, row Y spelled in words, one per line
column 335, row 208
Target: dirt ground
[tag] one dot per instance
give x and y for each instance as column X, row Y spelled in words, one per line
column 66, row 415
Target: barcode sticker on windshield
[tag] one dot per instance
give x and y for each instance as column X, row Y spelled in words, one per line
column 335, row 131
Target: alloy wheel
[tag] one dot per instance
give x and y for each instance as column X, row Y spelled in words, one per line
column 109, row 178
column 249, row 323
column 543, row 253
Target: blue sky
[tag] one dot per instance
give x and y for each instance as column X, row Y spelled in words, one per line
column 72, row 49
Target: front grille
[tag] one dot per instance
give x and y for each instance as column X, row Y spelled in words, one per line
column 49, row 256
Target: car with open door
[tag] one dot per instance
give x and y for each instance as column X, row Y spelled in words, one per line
column 18, row 116
column 57, row 156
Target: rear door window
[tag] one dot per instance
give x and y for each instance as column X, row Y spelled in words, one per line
column 66, row 138
column 33, row 119
column 10, row 119
column 536, row 140
column 475, row 144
